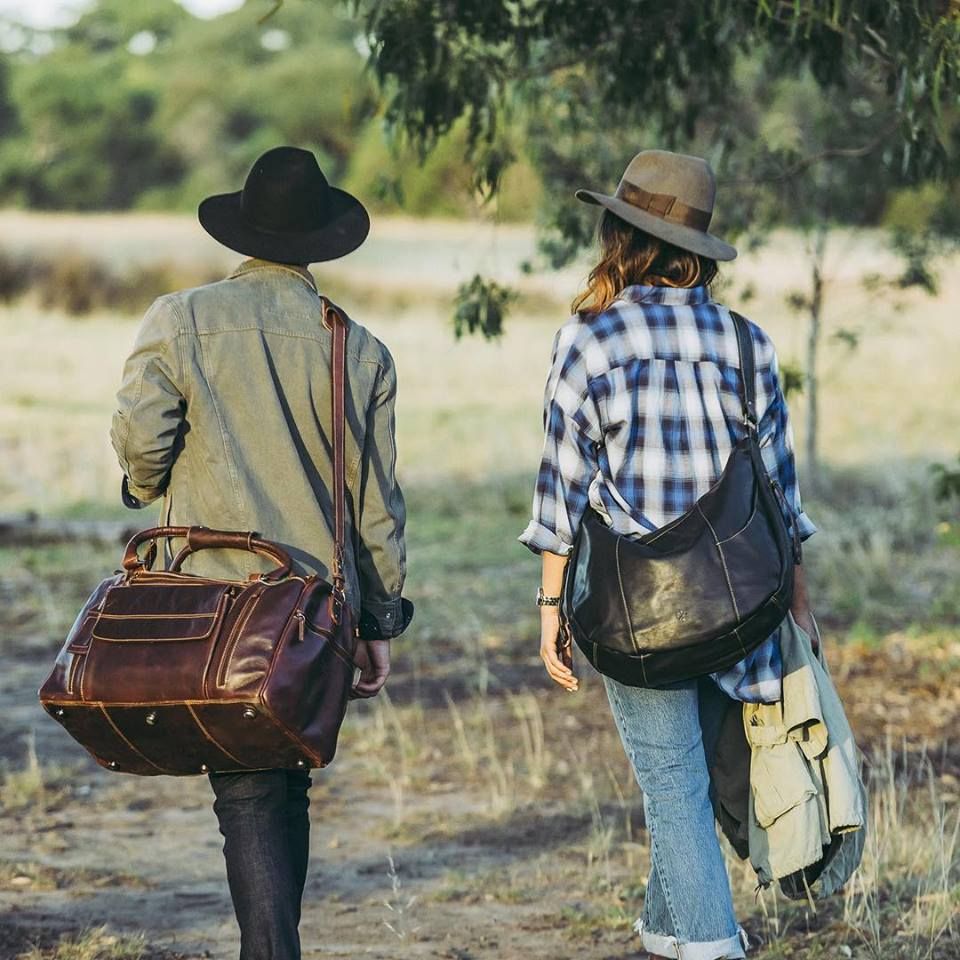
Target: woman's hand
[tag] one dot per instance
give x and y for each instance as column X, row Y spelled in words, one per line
column 800, row 608
column 549, row 634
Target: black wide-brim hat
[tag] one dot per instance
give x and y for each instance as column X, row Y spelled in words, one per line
column 287, row 212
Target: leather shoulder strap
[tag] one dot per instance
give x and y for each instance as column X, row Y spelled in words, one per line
column 336, row 320
column 748, row 370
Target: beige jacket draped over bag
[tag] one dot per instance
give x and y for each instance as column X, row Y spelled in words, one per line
column 807, row 801
column 785, row 778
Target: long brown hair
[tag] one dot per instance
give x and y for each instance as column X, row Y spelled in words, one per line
column 629, row 255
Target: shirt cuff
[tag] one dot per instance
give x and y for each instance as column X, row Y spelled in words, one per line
column 144, row 494
column 384, row 620
column 540, row 539
column 805, row 526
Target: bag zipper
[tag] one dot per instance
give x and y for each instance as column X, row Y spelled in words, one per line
column 231, row 642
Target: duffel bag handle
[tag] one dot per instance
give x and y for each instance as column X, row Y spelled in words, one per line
column 202, row 538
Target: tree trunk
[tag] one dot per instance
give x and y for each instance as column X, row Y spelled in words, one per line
column 817, row 254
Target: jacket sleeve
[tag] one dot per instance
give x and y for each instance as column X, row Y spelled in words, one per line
column 151, row 408
column 381, row 559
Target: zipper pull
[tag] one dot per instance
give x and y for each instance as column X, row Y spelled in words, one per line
column 301, row 621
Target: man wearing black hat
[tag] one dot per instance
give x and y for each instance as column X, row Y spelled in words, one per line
column 225, row 412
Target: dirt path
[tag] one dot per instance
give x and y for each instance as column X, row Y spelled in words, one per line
column 416, row 867
column 144, row 855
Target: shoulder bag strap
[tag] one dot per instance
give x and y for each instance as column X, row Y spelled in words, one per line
column 748, row 397
column 748, row 372
column 336, row 320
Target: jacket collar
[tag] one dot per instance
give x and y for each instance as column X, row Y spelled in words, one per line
column 670, row 296
column 248, row 266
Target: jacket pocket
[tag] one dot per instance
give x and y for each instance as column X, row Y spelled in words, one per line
column 780, row 780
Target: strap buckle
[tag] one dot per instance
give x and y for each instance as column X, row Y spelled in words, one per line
column 338, row 599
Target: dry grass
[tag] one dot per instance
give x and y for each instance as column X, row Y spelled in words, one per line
column 96, row 944
column 571, row 797
column 22, row 876
column 907, row 890
column 467, row 409
column 34, row 789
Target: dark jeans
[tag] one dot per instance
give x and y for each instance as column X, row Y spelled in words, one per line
column 266, row 828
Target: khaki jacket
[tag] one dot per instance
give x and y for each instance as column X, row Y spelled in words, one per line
column 806, row 794
column 224, row 411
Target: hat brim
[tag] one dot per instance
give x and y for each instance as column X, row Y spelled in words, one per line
column 346, row 228
column 687, row 238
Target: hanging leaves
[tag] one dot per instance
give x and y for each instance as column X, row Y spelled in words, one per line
column 480, row 307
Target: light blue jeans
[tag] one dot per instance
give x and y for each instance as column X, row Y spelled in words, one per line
column 667, row 734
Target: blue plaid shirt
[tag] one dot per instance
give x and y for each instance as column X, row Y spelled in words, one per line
column 642, row 410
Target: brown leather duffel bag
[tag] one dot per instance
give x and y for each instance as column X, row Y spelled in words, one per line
column 167, row 672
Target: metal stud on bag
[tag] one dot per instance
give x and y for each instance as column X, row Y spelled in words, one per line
column 249, row 713
column 151, row 718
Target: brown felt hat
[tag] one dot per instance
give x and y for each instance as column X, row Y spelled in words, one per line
column 670, row 196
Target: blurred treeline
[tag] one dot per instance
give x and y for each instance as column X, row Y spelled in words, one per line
column 145, row 106
column 141, row 105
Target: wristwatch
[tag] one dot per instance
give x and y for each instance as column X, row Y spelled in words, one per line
column 544, row 601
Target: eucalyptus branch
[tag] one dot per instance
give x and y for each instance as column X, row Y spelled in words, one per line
column 795, row 13
column 828, row 153
column 277, row 4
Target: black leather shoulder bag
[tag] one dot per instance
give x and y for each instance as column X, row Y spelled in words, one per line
column 703, row 591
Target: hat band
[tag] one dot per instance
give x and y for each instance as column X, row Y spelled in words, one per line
column 665, row 206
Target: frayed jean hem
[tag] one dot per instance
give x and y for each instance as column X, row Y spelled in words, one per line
column 660, row 945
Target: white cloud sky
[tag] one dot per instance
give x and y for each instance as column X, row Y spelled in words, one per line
column 49, row 13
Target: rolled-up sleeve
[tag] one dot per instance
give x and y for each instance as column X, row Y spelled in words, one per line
column 151, row 407
column 776, row 446
column 382, row 514
column 569, row 460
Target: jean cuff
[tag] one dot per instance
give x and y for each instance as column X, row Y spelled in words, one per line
column 661, row 945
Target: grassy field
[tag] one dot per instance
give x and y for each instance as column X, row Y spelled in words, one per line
column 475, row 812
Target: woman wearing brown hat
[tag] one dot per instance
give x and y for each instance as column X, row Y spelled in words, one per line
column 225, row 412
column 642, row 410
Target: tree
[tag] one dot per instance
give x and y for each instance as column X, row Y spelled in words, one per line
column 589, row 80
column 86, row 135
column 797, row 157
column 144, row 104
column 820, row 111
column 666, row 63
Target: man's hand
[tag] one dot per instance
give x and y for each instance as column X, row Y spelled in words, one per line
column 373, row 659
column 549, row 634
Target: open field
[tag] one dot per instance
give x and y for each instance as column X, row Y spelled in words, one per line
column 476, row 813
column 466, row 409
